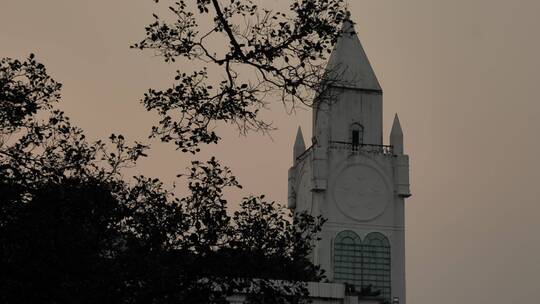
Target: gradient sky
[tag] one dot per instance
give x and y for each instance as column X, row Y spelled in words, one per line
column 462, row 74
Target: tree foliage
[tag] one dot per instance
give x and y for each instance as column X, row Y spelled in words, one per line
column 73, row 230
column 266, row 52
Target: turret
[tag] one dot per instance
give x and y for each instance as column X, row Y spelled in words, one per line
column 299, row 145
column 396, row 137
column 400, row 160
column 298, row 148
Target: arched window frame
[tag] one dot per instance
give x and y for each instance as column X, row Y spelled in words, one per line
column 348, row 258
column 376, row 264
column 356, row 134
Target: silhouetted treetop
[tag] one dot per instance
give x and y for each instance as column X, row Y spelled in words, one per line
column 25, row 88
column 39, row 143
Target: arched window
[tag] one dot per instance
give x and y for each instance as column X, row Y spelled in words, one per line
column 357, row 135
column 376, row 264
column 348, row 258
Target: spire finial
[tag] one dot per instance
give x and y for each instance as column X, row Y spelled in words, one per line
column 348, row 65
column 347, row 13
column 396, row 136
column 299, row 145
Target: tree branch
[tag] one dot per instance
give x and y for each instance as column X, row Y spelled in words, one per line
column 227, row 28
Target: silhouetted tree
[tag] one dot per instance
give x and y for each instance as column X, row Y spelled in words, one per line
column 59, row 211
column 62, row 245
column 72, row 230
column 263, row 53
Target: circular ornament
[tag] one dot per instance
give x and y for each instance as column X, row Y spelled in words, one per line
column 361, row 193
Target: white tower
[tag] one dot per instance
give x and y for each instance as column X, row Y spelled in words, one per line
column 354, row 181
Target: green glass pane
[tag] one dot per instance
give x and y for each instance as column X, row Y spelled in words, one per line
column 376, row 264
column 347, row 258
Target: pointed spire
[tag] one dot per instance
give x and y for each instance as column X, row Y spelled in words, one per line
column 349, row 63
column 299, row 145
column 396, row 137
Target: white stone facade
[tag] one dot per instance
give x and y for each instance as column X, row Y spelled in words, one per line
column 354, row 181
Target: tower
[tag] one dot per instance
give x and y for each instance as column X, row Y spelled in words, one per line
column 352, row 179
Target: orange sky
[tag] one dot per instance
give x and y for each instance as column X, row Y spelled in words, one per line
column 463, row 76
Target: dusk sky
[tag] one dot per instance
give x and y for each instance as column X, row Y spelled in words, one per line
column 463, row 75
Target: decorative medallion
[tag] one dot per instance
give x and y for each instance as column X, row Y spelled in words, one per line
column 360, row 192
